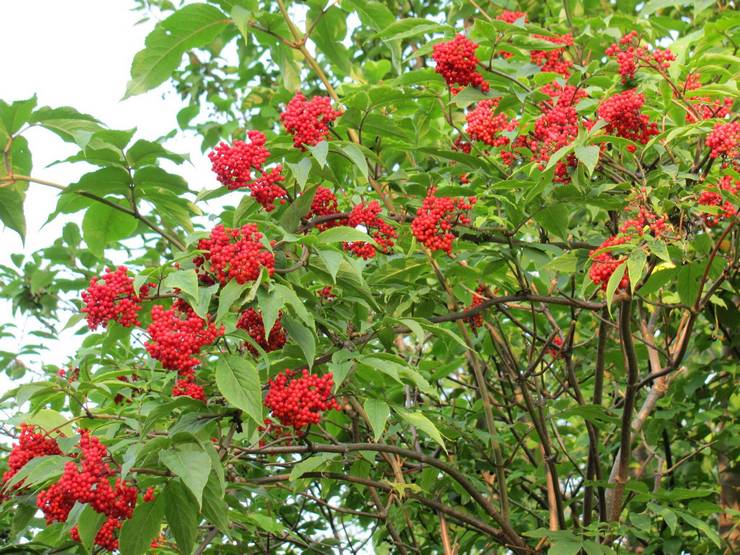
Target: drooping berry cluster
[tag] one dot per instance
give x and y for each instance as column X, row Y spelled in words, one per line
column 112, row 297
column 251, row 322
column 367, row 216
column 457, row 63
column 624, row 118
column 553, row 60
column 487, row 126
column 326, row 293
column 713, row 197
column 325, row 204
column 185, row 386
column 703, row 106
column 234, row 253
column 476, row 321
column 308, row 120
column 630, row 55
column 88, row 480
column 723, row 139
column 434, row 221
column 642, row 220
column 512, row 17
column 241, row 165
column 31, row 444
column 604, row 263
column 176, row 337
column 298, row 400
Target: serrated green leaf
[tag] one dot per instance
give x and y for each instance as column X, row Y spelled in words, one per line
column 377, row 413
column 191, row 463
column 238, row 381
column 138, row 531
column 310, row 464
column 181, row 510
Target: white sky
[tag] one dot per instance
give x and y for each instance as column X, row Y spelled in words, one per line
column 77, row 53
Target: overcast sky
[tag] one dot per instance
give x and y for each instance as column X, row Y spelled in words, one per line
column 77, row 53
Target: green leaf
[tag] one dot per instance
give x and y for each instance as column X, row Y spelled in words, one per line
column 191, row 463
column 343, row 233
column 564, row 548
column 215, row 508
column 703, row 526
column 11, row 210
column 238, row 381
column 613, row 284
column 301, row 171
column 184, row 280
column 418, row 420
column 138, row 532
column 355, row 154
column 37, row 471
column 310, row 464
column 319, row 152
column 228, row 296
column 410, row 27
column 88, row 525
column 13, row 116
column 103, row 225
column 689, row 277
column 112, row 179
column 377, row 412
column 635, row 266
column 192, row 26
column 589, row 156
column 333, row 261
column 303, row 336
column 181, row 510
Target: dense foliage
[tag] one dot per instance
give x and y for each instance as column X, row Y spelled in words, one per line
column 465, row 281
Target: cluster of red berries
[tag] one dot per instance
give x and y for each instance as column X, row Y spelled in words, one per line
column 31, row 444
column 624, row 118
column 367, row 216
column 242, row 165
column 512, row 17
column 553, row 60
column 645, row 219
column 186, row 387
column 555, row 346
column 630, row 55
column 71, row 374
column 89, row 481
column 457, row 63
column 714, row 197
column 234, row 253
column 177, row 335
column 251, row 322
column 487, row 126
column 326, row 293
column 605, row 263
column 723, row 139
column 434, row 221
column 324, row 203
column 703, row 106
column 298, row 400
column 112, row 297
column 476, row 321
column 308, row 120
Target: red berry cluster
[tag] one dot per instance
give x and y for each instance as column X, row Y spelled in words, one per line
column 251, row 322
column 479, row 297
column 186, row 387
column 326, row 293
column 434, row 221
column 90, row 482
column 605, row 263
column 553, row 60
column 367, row 216
column 324, row 203
column 242, row 165
column 723, row 139
column 512, row 17
column 645, row 218
column 487, row 126
column 297, row 400
column 457, row 63
column 112, row 297
column 714, row 197
column 630, row 55
column 555, row 345
column 704, row 106
column 31, row 444
column 234, row 253
column 71, row 374
column 177, row 335
column 624, row 119
column 308, row 120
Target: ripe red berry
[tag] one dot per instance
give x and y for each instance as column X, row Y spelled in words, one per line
column 31, row 444
column 241, row 165
column 298, row 400
column 436, row 219
column 624, row 119
column 308, row 120
column 457, row 63
column 367, row 216
column 487, row 126
column 251, row 322
column 553, row 60
column 604, row 263
column 723, row 139
column 234, row 254
column 630, row 55
column 324, row 203
column 112, row 297
column 476, row 321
